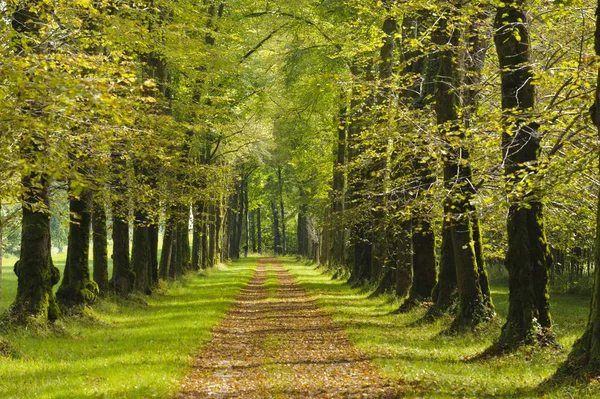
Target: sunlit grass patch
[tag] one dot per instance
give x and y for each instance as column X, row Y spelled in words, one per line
column 436, row 365
column 135, row 349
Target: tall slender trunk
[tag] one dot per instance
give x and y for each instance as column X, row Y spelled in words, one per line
column 361, row 240
column 276, row 235
column 337, row 228
column 77, row 289
column 302, row 231
column 472, row 308
column 283, row 232
column 213, row 236
column 528, row 256
column 259, row 229
column 100, row 244
column 198, row 252
column 253, row 230
column 246, row 216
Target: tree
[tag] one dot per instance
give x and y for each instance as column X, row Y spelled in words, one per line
column 584, row 358
column 528, row 256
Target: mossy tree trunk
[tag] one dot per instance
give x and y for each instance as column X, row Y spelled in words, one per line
column 473, row 308
column 100, row 244
column 36, row 274
column 77, row 289
column 528, row 255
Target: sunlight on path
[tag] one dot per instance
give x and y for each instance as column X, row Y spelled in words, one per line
column 276, row 343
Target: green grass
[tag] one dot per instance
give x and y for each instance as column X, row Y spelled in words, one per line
column 434, row 365
column 134, row 349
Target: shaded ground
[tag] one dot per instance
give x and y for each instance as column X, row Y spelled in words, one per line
column 275, row 342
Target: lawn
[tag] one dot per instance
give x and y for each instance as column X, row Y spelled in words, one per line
column 139, row 348
column 436, row 365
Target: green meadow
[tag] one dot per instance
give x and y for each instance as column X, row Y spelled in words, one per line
column 433, row 364
column 136, row 348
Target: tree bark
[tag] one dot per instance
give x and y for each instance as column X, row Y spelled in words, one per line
column 528, row 256
column 283, row 232
column 338, row 239
column 36, row 274
column 276, row 234
column 77, row 289
column 302, row 231
column 123, row 276
column 253, row 230
column 198, row 250
column 141, row 253
column 100, row 244
column 259, row 229
column 473, row 308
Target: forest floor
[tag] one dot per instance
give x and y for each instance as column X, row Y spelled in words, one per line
column 276, row 342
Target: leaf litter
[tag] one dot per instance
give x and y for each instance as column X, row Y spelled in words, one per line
column 280, row 344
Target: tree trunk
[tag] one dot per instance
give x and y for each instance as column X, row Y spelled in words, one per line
column 338, row 239
column 123, row 276
column 424, row 261
column 36, row 274
column 361, row 240
column 276, row 235
column 141, row 253
column 259, row 229
column 198, row 251
column 528, row 256
column 213, row 236
column 100, row 242
column 283, row 232
column 246, row 218
column 76, row 289
column 167, row 251
column 154, row 252
column 302, row 231
column 253, row 230
column 473, row 307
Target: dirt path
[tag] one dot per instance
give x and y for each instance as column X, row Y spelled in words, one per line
column 277, row 343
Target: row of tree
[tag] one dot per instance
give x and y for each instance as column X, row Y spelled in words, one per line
column 412, row 142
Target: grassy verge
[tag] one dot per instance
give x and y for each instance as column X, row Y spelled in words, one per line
column 435, row 365
column 134, row 349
